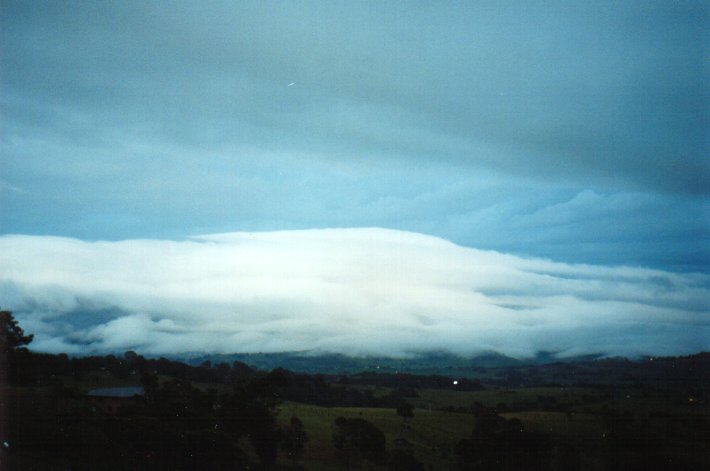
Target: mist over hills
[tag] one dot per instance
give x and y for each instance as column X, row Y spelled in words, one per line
column 310, row 362
column 691, row 372
column 421, row 363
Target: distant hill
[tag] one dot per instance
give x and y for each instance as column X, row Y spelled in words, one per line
column 690, row 372
column 424, row 363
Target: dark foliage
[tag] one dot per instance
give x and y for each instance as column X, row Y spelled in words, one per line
column 401, row 460
column 633, row 445
column 315, row 389
column 358, row 439
column 411, row 381
column 15, row 364
column 405, row 410
column 497, row 444
column 174, row 425
column 12, row 336
column 293, row 440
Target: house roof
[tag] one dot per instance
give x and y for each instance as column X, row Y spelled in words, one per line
column 117, row 392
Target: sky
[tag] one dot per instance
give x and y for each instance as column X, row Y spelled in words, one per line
column 563, row 144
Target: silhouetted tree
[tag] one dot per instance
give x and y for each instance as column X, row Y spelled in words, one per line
column 150, row 387
column 357, row 439
column 130, row 356
column 635, row 446
column 251, row 411
column 569, row 457
column 500, row 445
column 401, row 460
column 406, row 411
column 487, row 424
column 12, row 337
column 294, row 439
column 15, row 360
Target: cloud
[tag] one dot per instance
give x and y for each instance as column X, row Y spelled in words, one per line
column 553, row 129
column 355, row 291
column 611, row 94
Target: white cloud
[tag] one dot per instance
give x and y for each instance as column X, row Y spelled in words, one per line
column 362, row 291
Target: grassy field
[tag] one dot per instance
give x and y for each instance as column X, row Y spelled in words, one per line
column 578, row 417
column 432, row 433
column 436, row 398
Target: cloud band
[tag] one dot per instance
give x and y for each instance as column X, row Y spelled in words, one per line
column 353, row 291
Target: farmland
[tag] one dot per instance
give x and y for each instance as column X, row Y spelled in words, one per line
column 621, row 415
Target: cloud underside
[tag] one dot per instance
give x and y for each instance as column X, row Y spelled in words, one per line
column 352, row 291
column 575, row 131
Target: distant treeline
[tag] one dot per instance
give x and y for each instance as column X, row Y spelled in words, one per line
column 40, row 366
column 325, row 390
column 689, row 373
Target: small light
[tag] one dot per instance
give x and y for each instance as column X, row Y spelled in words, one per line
column 455, row 382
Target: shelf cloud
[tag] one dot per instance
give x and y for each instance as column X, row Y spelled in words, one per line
column 354, row 291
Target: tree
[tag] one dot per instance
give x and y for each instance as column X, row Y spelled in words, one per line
column 401, row 460
column 251, row 411
column 12, row 337
column 406, row 411
column 12, row 341
column 294, row 438
column 499, row 445
column 16, row 362
column 357, row 439
column 150, row 386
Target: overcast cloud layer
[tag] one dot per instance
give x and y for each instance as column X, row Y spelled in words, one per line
column 353, row 291
column 570, row 130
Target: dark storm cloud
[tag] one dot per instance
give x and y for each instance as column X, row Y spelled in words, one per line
column 556, row 129
column 607, row 91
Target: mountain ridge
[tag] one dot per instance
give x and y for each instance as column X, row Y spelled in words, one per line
column 336, row 363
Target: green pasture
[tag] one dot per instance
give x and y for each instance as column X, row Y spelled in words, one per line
column 431, row 434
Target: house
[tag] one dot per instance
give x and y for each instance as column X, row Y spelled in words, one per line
column 112, row 400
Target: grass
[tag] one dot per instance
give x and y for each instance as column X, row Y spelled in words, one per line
column 432, row 434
